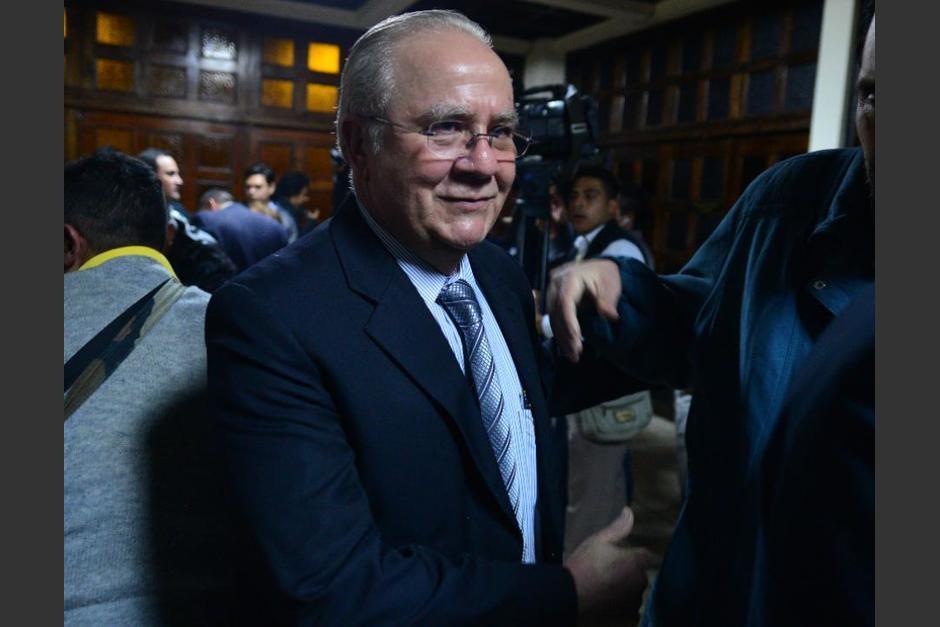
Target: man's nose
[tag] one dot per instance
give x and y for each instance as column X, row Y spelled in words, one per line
column 480, row 159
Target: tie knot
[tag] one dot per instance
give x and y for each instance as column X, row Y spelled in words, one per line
column 461, row 303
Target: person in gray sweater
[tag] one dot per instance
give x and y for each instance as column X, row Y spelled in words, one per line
column 144, row 540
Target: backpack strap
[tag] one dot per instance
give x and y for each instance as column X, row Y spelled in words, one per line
column 101, row 355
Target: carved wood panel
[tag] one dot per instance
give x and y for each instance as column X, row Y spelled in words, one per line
column 693, row 110
column 208, row 154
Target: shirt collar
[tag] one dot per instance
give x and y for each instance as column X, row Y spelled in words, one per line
column 590, row 235
column 850, row 200
column 432, row 281
column 842, row 244
column 127, row 251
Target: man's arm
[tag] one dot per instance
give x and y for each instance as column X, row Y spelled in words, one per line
column 294, row 475
column 642, row 322
column 623, row 248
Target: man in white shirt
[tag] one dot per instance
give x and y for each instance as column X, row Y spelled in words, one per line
column 592, row 210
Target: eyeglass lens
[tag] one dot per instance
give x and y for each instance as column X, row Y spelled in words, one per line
column 461, row 144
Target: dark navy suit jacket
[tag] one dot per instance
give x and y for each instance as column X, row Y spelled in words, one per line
column 356, row 445
column 816, row 565
column 246, row 236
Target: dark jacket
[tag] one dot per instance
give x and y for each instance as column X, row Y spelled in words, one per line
column 196, row 256
column 736, row 323
column 356, row 444
column 246, row 236
column 816, row 563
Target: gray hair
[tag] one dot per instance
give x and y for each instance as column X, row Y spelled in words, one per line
column 217, row 194
column 368, row 80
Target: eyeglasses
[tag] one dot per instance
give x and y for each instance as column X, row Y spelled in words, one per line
column 453, row 139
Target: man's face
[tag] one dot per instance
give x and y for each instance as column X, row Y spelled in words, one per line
column 589, row 206
column 438, row 207
column 865, row 109
column 169, row 174
column 257, row 189
column 300, row 199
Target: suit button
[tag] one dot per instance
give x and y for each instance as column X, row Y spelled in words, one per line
column 819, row 284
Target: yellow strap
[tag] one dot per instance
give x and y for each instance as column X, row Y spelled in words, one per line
column 125, row 251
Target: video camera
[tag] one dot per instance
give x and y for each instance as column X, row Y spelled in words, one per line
column 562, row 123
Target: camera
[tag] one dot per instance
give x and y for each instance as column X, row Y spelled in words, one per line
column 562, row 123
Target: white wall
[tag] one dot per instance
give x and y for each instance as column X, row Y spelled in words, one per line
column 834, row 75
column 544, row 65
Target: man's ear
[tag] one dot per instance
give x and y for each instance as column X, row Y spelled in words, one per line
column 77, row 250
column 357, row 145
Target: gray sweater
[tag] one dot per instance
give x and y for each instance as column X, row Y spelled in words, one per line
column 143, row 501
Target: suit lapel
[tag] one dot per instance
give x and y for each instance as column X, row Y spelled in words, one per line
column 402, row 326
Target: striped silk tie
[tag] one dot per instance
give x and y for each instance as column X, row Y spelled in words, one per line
column 462, row 306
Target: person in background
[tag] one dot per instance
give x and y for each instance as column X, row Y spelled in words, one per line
column 599, row 460
column 246, row 236
column 593, row 210
column 194, row 254
column 145, row 523
column 293, row 193
column 632, row 209
column 259, row 189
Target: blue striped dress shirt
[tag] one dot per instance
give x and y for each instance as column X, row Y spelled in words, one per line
column 429, row 282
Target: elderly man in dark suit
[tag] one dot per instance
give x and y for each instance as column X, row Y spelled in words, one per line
column 380, row 383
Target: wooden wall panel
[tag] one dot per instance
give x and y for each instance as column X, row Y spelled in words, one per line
column 212, row 154
column 693, row 110
column 188, row 79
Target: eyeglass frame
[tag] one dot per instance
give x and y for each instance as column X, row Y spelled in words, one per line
column 468, row 145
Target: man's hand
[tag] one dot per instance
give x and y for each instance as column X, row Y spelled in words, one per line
column 597, row 280
column 609, row 577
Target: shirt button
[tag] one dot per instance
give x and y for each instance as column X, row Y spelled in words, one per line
column 819, row 284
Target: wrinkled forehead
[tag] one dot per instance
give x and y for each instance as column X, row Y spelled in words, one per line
column 449, row 70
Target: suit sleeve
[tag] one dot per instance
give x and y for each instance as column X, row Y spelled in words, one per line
column 293, row 473
column 652, row 340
